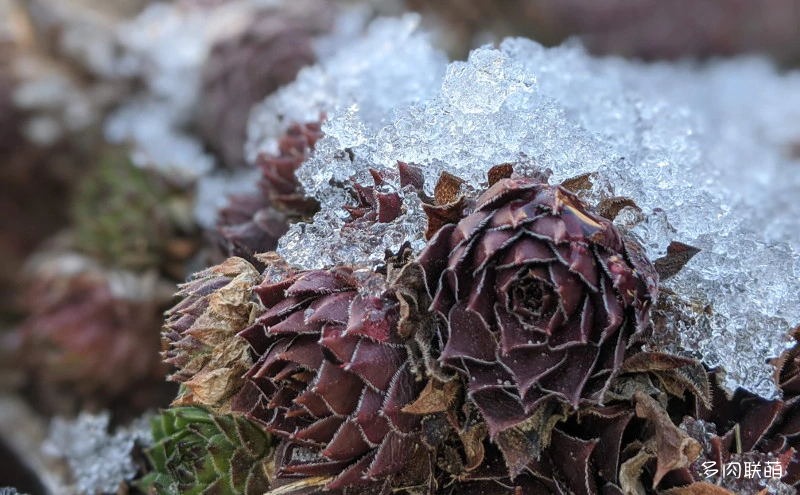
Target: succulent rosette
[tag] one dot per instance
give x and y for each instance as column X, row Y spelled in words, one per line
column 742, row 427
column 332, row 378
column 199, row 333
column 91, row 333
column 195, row 452
column 540, row 298
column 242, row 70
column 132, row 218
column 253, row 223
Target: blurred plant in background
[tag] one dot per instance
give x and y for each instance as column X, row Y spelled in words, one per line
column 648, row 29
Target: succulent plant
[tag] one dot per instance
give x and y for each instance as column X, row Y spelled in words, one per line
column 196, row 452
column 629, row 441
column 253, row 223
column 92, row 331
column 200, row 333
column 242, row 70
column 372, row 204
column 742, row 427
column 332, row 378
column 599, row 449
column 540, row 298
column 129, row 218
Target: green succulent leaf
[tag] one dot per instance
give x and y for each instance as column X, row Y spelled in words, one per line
column 195, row 452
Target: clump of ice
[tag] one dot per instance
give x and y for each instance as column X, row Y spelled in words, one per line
column 99, row 460
column 390, row 66
column 366, row 244
column 704, row 150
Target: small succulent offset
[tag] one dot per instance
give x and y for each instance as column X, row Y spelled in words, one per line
column 200, row 334
column 91, row 330
column 331, row 378
column 129, row 218
column 253, row 223
column 196, row 452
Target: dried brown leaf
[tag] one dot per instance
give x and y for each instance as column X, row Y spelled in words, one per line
column 624, row 387
column 630, row 473
column 676, row 374
column 525, row 441
column 502, row 171
column 692, row 378
column 447, row 189
column 673, row 447
column 654, row 361
column 579, row 183
column 610, row 207
column 472, row 440
column 219, row 357
column 678, row 254
column 436, row 397
column 441, row 215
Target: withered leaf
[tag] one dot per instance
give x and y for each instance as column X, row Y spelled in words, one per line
column 214, row 357
column 692, row 378
column 625, row 386
column 630, row 473
column 447, row 189
column 502, row 171
column 655, row 361
column 436, row 397
column 578, row 183
column 441, row 215
column 676, row 374
column 409, row 287
column 673, row 447
column 472, row 440
column 524, row 442
column 787, row 367
column 212, row 387
column 610, row 207
column 678, row 254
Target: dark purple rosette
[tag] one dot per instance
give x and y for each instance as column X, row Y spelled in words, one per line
column 540, row 298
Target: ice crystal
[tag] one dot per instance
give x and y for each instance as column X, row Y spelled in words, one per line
column 391, row 65
column 98, row 460
column 707, row 151
column 364, row 245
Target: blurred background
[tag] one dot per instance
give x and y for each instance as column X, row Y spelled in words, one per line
column 122, row 131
